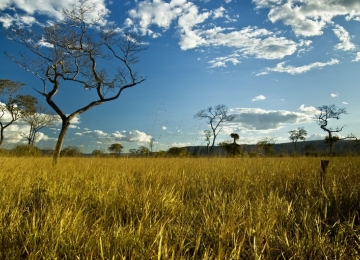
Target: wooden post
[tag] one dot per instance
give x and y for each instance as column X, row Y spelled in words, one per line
column 324, row 165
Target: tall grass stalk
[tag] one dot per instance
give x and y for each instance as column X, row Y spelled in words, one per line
column 179, row 208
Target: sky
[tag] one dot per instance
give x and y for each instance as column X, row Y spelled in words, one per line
column 271, row 62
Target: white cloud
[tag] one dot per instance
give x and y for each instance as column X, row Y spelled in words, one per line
column 344, row 37
column 249, row 41
column 302, row 69
column 50, row 8
column 219, row 12
column 345, row 103
column 163, row 127
column 13, row 133
column 357, row 58
column 257, row 119
column 221, row 61
column 123, row 136
column 180, row 144
column 309, row 17
column 158, row 12
column 257, row 98
column 334, row 94
column 315, row 137
column 308, row 110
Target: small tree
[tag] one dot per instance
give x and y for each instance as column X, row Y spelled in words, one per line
column 115, row 148
column 325, row 114
column 267, row 145
column 207, row 139
column 297, row 134
column 37, row 121
column 235, row 136
column 97, row 153
column 13, row 104
column 142, row 150
column 72, row 51
column 214, row 116
column 151, row 144
column 232, row 149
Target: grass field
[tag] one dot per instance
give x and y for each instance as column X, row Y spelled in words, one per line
column 180, row 208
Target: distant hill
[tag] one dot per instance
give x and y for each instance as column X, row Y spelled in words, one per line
column 341, row 147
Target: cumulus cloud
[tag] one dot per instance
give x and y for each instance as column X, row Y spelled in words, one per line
column 123, row 136
column 308, row 17
column 344, row 37
column 298, row 70
column 13, row 134
column 219, row 12
column 334, row 94
column 308, row 110
column 249, row 41
column 257, row 98
column 257, row 119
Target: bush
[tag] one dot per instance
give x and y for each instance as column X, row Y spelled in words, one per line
column 70, row 151
column 26, row 150
column 178, row 152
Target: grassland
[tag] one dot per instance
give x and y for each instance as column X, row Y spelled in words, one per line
column 181, row 208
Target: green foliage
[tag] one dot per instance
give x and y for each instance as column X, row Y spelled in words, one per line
column 235, row 136
column 178, row 152
column 267, row 145
column 142, row 150
column 160, row 154
column 297, row 134
column 232, row 149
column 26, row 150
column 115, row 148
column 97, row 153
column 70, row 151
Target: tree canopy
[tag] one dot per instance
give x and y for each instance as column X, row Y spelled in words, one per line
column 115, row 148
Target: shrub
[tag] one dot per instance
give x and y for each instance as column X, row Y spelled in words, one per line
column 26, row 150
column 70, row 151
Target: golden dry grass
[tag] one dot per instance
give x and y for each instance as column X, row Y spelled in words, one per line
column 179, row 208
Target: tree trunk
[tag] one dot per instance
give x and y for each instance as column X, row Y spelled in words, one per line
column 1, row 133
column 64, row 127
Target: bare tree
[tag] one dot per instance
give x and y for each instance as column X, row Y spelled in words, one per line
column 71, row 52
column 13, row 104
column 214, row 117
column 325, row 114
column 297, row 134
column 37, row 121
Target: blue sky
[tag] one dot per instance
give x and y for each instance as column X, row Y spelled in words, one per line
column 271, row 62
